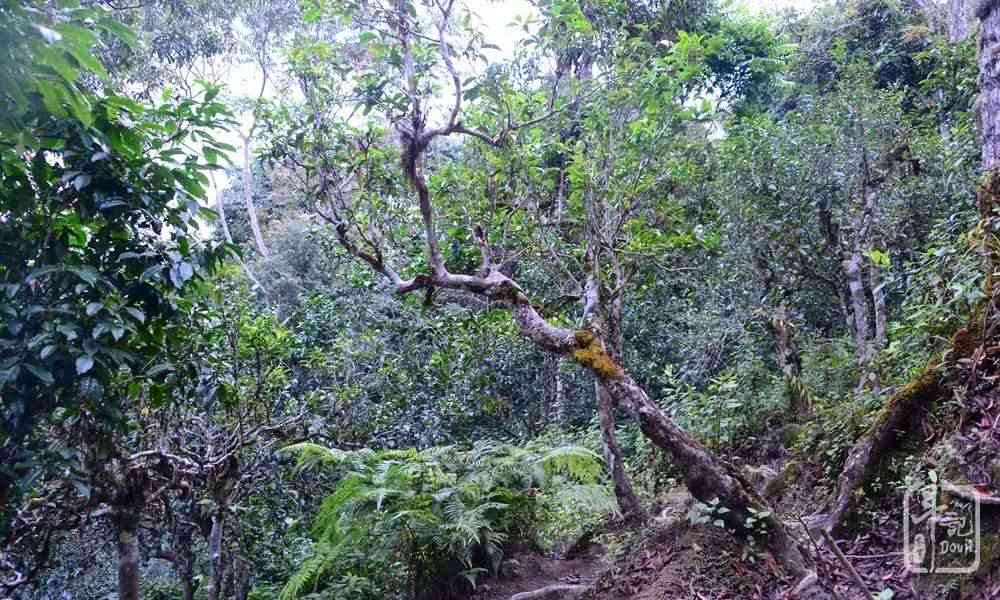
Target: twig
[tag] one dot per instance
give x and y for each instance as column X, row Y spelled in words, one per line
column 871, row 556
column 843, row 559
column 819, row 554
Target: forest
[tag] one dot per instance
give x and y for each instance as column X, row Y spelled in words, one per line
column 487, row 300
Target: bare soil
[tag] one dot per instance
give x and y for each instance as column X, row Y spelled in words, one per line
column 532, row 570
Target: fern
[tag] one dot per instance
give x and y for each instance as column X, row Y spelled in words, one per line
column 444, row 513
column 579, row 463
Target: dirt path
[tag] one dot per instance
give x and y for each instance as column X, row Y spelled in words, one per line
column 533, row 571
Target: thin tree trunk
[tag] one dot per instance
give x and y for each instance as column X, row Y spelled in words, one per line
column 216, row 566
column 242, row 579
column 228, row 236
column 878, row 303
column 867, row 453
column 559, row 402
column 859, row 308
column 185, row 562
column 606, row 318
column 706, row 477
column 258, row 237
column 789, row 360
column 220, row 207
column 127, row 525
column 859, row 305
column 628, row 501
column 845, row 308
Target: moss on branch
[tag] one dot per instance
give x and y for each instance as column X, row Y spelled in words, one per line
column 590, row 353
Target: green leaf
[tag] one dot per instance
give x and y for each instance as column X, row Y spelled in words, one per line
column 50, row 36
column 41, row 373
column 51, row 98
column 159, row 369
column 86, row 273
column 84, row 363
column 137, row 314
column 123, row 33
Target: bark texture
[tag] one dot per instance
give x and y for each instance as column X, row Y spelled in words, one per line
column 878, row 303
column 628, row 501
column 960, row 19
column 706, row 476
column 217, row 567
column 559, row 395
column 127, row 525
column 220, row 207
column 989, row 82
column 604, row 315
column 859, row 303
column 789, row 359
column 901, row 413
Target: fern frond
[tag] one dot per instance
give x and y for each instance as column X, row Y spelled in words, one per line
column 576, row 462
column 311, row 455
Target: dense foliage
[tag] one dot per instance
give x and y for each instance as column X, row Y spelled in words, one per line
column 346, row 299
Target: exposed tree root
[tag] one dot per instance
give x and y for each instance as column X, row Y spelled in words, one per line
column 554, row 592
column 895, row 418
column 902, row 412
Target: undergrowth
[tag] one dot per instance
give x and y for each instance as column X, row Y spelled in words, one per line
column 407, row 523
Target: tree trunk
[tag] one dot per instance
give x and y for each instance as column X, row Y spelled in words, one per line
column 242, row 579
column 127, row 526
column 706, row 477
column 220, row 207
column 187, row 586
column 859, row 305
column 878, row 303
column 628, row 501
column 859, row 308
column 789, row 360
column 989, row 82
column 228, row 236
column 959, row 19
column 258, row 237
column 185, row 562
column 606, row 318
column 217, row 567
column 559, row 401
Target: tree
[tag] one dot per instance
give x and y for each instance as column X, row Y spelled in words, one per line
column 989, row 73
column 348, row 194
column 100, row 229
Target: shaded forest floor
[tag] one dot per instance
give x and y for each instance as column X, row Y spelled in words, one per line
column 669, row 558
column 531, row 571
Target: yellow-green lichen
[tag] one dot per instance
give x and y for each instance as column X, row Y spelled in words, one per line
column 591, row 354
